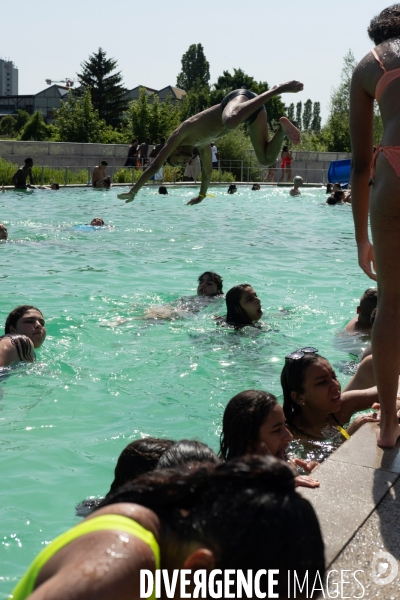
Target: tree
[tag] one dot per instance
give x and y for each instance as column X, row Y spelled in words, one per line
column 78, row 121
column 155, row 120
column 338, row 127
column 196, row 100
column 316, row 118
column 8, row 126
column 22, row 118
column 108, row 95
column 307, row 115
column 240, row 80
column 290, row 112
column 299, row 108
column 36, row 129
column 195, row 69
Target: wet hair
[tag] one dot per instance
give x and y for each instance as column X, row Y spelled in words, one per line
column 256, row 187
column 16, row 314
column 236, row 315
column 97, row 219
column 246, row 511
column 139, row 457
column 28, row 161
column 217, row 279
column 292, row 380
column 336, row 198
column 104, row 162
column 368, row 302
column 56, row 185
column 386, row 25
column 329, row 187
column 163, row 190
column 243, row 416
column 232, row 188
column 187, row 452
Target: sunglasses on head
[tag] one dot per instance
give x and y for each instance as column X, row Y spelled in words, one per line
column 297, row 354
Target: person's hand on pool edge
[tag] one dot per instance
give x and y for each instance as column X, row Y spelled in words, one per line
column 127, row 196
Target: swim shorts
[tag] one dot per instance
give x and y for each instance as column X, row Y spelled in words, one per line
column 248, row 95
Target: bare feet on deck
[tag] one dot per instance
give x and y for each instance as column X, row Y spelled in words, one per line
column 290, row 130
column 387, row 436
column 127, row 196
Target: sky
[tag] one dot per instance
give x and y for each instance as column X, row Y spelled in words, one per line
column 271, row 41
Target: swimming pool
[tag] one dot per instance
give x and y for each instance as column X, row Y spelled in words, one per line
column 96, row 387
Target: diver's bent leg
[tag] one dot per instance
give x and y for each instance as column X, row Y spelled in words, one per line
column 266, row 151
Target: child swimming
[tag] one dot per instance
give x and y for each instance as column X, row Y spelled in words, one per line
column 243, row 306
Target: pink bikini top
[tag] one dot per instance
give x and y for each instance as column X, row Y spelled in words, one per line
column 387, row 77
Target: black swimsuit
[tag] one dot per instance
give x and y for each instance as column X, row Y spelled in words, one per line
column 248, row 95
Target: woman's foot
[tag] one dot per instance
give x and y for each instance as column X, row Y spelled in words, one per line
column 387, row 436
column 290, row 130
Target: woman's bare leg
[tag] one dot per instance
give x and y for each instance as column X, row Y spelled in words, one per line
column 385, row 227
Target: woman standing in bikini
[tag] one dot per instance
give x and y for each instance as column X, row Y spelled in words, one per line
column 376, row 186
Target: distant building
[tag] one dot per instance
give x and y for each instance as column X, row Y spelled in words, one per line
column 50, row 99
column 176, row 94
column 8, row 78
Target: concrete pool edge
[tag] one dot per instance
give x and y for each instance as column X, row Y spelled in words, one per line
column 357, row 505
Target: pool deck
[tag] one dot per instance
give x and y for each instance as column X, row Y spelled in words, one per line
column 358, row 507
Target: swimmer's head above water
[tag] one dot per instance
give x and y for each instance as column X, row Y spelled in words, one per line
column 243, row 306
column 27, row 320
column 210, row 284
column 97, row 222
column 3, row 232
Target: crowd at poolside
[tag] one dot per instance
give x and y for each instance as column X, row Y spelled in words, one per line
column 176, row 504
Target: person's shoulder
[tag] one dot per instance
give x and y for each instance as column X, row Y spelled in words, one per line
column 15, row 347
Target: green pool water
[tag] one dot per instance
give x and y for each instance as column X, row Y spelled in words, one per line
column 96, row 387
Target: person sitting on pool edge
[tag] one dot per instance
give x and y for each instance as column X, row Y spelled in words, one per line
column 19, row 178
column 239, row 106
column 362, row 322
column 297, row 182
column 24, row 331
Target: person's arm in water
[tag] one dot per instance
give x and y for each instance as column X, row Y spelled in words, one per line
column 172, row 143
column 16, row 348
column 361, row 130
column 206, row 172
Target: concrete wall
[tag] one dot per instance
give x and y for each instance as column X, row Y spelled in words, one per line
column 63, row 154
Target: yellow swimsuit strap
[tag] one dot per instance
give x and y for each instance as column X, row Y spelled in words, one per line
column 101, row 523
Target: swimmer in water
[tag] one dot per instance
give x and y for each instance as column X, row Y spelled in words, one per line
column 243, row 307
column 239, row 106
column 24, row 332
column 97, row 222
column 254, row 423
column 210, row 284
column 362, row 322
column 3, row 232
column 313, row 403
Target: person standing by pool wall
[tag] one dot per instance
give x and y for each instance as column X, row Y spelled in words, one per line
column 240, row 106
column 376, row 189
